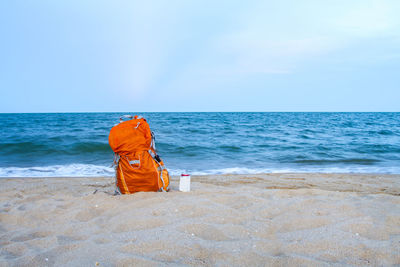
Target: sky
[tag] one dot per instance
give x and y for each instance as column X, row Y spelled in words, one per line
column 162, row 56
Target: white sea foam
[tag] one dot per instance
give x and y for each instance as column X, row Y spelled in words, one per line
column 89, row 170
column 72, row 170
column 242, row 170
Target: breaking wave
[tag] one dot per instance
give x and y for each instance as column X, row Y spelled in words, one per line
column 89, row 170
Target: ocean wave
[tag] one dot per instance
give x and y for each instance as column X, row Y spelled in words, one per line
column 90, row 170
column 243, row 170
column 54, row 146
column 346, row 161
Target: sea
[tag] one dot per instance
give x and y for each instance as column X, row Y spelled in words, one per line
column 76, row 144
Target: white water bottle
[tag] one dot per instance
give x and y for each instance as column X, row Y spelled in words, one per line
column 184, row 183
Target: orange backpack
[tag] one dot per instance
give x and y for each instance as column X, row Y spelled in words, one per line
column 137, row 165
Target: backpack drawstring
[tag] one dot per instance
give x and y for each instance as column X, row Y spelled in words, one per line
column 115, row 164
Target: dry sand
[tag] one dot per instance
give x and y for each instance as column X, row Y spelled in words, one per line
column 227, row 220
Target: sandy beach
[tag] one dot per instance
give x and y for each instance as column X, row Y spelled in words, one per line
column 226, row 220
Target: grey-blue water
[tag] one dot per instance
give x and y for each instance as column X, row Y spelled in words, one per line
column 76, row 144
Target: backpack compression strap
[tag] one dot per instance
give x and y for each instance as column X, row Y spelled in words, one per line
column 157, row 159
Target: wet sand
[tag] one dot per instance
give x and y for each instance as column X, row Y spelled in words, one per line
column 226, row 220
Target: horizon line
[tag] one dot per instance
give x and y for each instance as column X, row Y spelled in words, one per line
column 78, row 112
